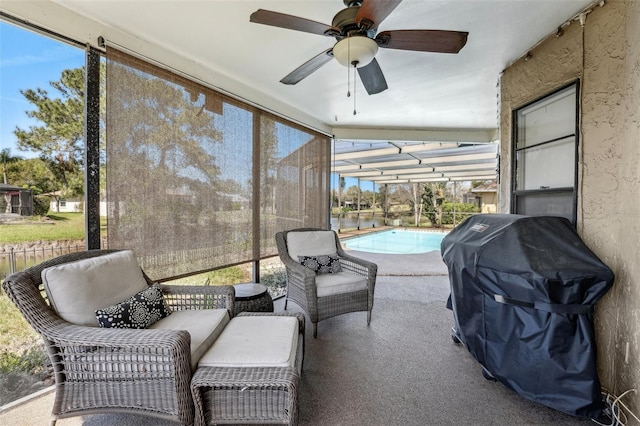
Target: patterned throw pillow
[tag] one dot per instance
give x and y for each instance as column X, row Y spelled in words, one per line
column 324, row 264
column 140, row 311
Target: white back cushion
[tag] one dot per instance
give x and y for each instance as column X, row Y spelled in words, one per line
column 75, row 290
column 310, row 243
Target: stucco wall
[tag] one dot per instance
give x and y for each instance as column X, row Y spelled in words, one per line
column 604, row 55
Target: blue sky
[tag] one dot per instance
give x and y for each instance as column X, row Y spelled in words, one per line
column 27, row 61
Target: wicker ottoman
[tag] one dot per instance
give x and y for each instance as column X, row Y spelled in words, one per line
column 258, row 393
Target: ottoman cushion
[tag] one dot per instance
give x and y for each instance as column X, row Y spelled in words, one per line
column 255, row 341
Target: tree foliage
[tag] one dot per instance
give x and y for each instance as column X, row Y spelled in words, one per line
column 58, row 139
column 416, row 202
column 34, row 174
column 383, row 199
column 462, row 211
column 7, row 159
column 268, row 162
column 433, row 195
column 351, row 194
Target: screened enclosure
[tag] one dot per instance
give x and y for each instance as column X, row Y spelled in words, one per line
column 197, row 180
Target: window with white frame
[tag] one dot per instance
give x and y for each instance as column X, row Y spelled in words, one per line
column 545, row 155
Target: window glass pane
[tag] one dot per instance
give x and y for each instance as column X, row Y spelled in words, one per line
column 546, row 204
column 549, row 119
column 547, row 166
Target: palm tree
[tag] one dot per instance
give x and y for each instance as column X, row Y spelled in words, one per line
column 6, row 157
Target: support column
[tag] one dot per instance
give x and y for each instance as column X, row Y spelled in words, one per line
column 359, row 190
column 92, row 149
column 339, row 202
column 256, row 202
column 373, row 206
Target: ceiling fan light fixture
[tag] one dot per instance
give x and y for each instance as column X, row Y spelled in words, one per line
column 358, row 49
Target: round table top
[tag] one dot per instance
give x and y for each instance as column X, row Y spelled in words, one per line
column 248, row 291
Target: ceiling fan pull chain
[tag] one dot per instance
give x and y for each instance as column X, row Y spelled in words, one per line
column 348, row 70
column 355, row 63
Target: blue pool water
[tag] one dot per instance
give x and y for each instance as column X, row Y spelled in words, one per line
column 396, row 242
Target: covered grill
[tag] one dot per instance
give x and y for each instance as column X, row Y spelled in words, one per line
column 523, row 291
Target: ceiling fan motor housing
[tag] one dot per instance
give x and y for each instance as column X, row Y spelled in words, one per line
column 345, row 20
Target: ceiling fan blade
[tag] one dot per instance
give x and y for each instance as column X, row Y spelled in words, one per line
column 308, row 67
column 439, row 41
column 373, row 78
column 282, row 20
column 373, row 12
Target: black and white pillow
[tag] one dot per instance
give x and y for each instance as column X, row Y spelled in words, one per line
column 140, row 311
column 324, row 264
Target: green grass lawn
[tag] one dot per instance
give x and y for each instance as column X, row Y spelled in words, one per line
column 14, row 330
column 17, row 338
column 55, row 226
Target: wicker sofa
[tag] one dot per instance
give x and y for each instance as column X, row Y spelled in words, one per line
column 97, row 370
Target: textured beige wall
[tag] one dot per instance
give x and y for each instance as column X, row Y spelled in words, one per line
column 605, row 56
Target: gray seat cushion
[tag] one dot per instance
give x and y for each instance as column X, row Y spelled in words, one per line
column 340, row 282
column 204, row 326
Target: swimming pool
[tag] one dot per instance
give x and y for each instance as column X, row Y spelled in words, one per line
column 396, row 241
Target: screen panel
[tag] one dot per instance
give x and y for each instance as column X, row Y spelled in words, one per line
column 193, row 175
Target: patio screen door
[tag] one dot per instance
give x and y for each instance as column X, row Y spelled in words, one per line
column 197, row 180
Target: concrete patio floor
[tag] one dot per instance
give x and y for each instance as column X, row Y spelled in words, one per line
column 403, row 369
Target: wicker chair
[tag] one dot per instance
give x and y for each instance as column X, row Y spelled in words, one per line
column 302, row 282
column 97, row 370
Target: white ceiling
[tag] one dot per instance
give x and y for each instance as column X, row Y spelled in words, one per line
column 431, row 96
column 426, row 90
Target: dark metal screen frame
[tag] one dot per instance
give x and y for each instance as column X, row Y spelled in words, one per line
column 92, row 148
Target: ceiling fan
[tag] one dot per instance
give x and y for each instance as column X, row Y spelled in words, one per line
column 355, row 30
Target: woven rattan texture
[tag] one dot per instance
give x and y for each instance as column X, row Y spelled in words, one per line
column 264, row 303
column 101, row 370
column 301, row 283
column 248, row 394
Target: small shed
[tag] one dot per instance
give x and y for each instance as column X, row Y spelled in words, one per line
column 16, row 200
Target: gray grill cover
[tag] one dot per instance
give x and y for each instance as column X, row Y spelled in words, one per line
column 523, row 290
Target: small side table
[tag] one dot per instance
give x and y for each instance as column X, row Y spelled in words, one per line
column 252, row 297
